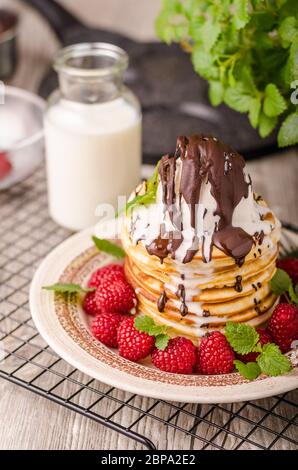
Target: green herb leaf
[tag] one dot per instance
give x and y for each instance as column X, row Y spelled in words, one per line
column 241, row 16
column 148, row 198
column 146, row 324
column 108, row 247
column 241, row 337
column 143, row 323
column 161, row 341
column 254, row 112
column 288, row 29
column 68, row 288
column 274, row 103
column 293, row 294
column 281, row 282
column 249, row 371
column 215, row 92
column 266, row 124
column 238, row 98
column 272, row 362
column 288, row 133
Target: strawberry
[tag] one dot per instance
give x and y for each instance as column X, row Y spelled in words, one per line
column 283, row 326
column 265, row 338
column 115, row 296
column 90, row 305
column 215, row 355
column 105, row 328
column 111, row 272
column 178, row 357
column 290, row 265
column 133, row 344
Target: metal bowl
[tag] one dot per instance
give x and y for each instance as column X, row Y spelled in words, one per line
column 21, row 133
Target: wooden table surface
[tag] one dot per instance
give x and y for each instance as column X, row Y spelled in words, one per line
column 30, row 422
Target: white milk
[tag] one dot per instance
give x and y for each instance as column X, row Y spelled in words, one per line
column 93, row 156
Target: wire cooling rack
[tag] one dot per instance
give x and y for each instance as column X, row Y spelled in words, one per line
column 27, row 234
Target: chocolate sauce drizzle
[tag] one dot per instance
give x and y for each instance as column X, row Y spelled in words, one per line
column 181, row 294
column 161, row 303
column 238, row 285
column 205, row 158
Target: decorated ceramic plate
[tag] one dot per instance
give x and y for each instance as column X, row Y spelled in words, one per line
column 66, row 328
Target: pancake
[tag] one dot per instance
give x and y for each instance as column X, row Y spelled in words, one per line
column 195, row 288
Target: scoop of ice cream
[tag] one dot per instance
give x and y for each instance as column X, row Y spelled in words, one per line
column 204, row 199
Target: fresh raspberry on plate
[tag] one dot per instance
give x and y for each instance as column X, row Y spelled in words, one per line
column 115, row 296
column 105, row 328
column 90, row 305
column 283, row 326
column 133, row 344
column 265, row 338
column 215, row 355
column 111, row 272
column 5, row 165
column 179, row 357
column 290, row 265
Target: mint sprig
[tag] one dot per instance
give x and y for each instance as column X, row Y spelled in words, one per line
column 108, row 247
column 145, row 199
column 281, row 284
column 247, row 51
column 146, row 324
column 242, row 338
column 61, row 288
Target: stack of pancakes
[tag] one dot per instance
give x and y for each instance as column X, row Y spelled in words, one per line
column 199, row 296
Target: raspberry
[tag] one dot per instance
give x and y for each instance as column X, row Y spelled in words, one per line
column 111, row 272
column 179, row 357
column 283, row 326
column 215, row 355
column 90, row 305
column 5, row 165
column 290, row 265
column 115, row 296
column 133, row 344
column 265, row 338
column 105, row 328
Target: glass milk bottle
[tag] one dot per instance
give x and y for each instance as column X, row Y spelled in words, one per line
column 92, row 134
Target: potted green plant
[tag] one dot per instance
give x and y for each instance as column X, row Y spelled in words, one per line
column 248, row 52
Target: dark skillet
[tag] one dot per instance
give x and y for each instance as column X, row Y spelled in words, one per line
column 173, row 97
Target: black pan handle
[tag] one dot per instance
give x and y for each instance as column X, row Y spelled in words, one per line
column 57, row 16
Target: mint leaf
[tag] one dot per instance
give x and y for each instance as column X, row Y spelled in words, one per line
column 143, row 323
column 288, row 29
column 281, row 282
column 241, row 337
column 203, row 63
column 266, row 124
column 161, row 341
column 254, row 112
column 210, row 32
column 272, row 362
column 148, row 198
column 293, row 294
column 108, row 247
column 274, row 102
column 249, row 371
column 241, row 16
column 68, row 288
column 238, row 98
column 215, row 93
column 288, row 133
column 146, row 324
